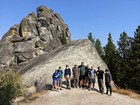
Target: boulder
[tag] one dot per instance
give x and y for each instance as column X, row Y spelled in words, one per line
column 75, row 52
column 28, row 28
column 23, row 46
column 16, row 38
column 6, row 54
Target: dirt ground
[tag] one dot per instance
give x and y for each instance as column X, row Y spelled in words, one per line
column 82, row 97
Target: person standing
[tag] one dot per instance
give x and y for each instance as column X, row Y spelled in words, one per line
column 87, row 81
column 100, row 80
column 60, row 76
column 55, row 80
column 76, row 73
column 82, row 68
column 68, row 76
column 108, row 79
column 92, row 75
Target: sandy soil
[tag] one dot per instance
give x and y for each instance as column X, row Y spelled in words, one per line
column 82, row 97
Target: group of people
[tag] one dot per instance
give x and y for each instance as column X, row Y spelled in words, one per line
column 83, row 77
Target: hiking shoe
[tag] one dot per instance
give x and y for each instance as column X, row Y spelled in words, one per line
column 110, row 94
column 89, row 89
column 83, row 88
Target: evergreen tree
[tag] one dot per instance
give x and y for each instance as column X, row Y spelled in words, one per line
column 99, row 47
column 124, row 49
column 90, row 37
column 134, row 81
column 109, row 56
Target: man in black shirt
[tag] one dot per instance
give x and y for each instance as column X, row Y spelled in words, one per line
column 100, row 74
column 86, row 76
column 108, row 79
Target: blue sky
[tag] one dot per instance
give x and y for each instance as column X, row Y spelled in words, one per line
column 82, row 16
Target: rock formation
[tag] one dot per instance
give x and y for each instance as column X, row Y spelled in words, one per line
column 75, row 52
column 34, row 36
column 35, row 47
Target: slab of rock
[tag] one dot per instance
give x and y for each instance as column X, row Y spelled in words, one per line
column 75, row 52
column 23, row 46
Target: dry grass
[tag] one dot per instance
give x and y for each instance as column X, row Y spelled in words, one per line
column 129, row 93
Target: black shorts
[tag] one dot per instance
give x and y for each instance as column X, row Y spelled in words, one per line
column 82, row 77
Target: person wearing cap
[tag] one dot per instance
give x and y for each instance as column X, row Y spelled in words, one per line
column 60, row 77
column 108, row 80
column 67, row 75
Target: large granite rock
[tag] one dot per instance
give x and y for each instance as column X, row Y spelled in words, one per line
column 34, row 36
column 42, row 68
column 34, row 48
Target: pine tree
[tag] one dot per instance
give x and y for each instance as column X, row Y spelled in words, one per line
column 124, row 49
column 90, row 37
column 109, row 56
column 99, row 47
column 134, row 81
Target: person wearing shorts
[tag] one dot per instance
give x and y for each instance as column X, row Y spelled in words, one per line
column 55, row 80
column 82, row 68
column 92, row 74
column 60, row 76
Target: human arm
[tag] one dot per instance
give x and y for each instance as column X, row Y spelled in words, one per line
column 70, row 72
column 89, row 74
column 78, row 71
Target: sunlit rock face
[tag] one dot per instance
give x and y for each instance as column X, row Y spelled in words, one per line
column 34, row 48
column 42, row 68
column 34, row 36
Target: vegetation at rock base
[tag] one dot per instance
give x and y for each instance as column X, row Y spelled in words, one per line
column 10, row 87
column 123, row 59
column 63, row 39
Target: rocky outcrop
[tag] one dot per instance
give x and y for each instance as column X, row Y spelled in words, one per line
column 42, row 68
column 35, row 48
column 34, row 36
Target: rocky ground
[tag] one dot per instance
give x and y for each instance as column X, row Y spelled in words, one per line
column 82, row 97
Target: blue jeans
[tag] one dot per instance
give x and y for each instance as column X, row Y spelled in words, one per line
column 100, row 84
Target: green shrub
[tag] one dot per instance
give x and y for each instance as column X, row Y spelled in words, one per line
column 63, row 38
column 10, row 87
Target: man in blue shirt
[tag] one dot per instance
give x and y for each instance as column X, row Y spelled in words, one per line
column 55, row 79
column 60, row 76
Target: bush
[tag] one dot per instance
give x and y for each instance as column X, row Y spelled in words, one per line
column 10, row 87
